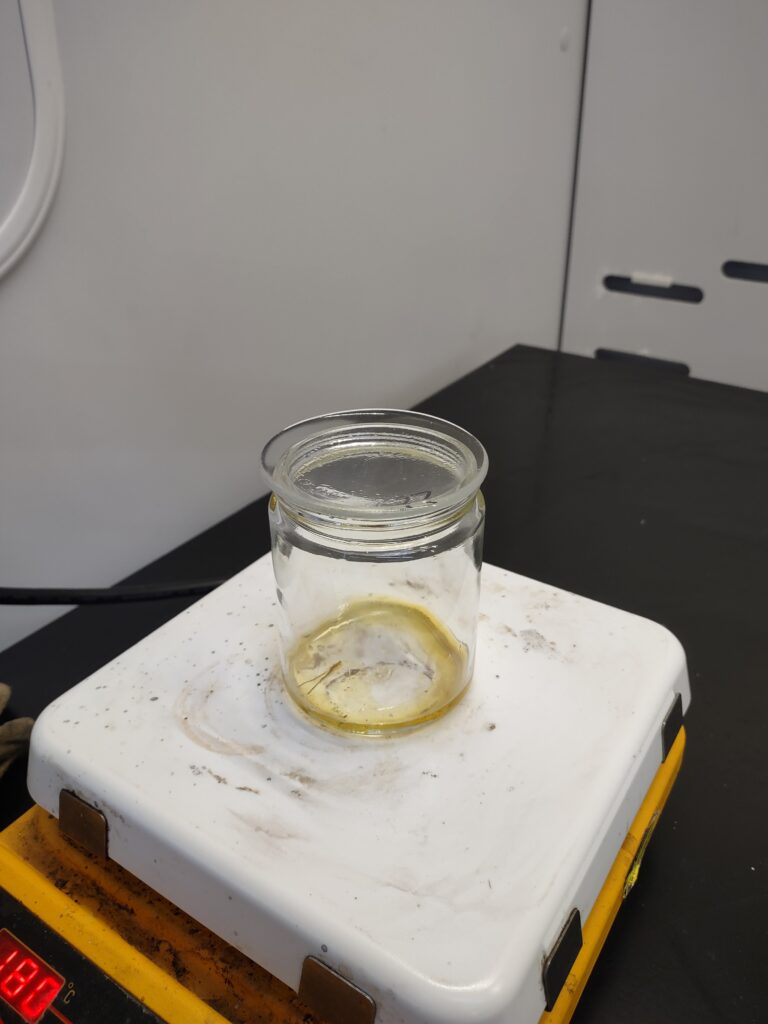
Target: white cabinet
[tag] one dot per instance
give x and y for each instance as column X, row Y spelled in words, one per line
column 673, row 182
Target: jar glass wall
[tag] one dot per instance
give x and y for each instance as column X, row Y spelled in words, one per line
column 377, row 524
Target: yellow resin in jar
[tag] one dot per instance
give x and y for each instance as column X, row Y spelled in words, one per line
column 379, row 664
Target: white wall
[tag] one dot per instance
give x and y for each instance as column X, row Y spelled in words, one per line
column 267, row 209
column 672, row 182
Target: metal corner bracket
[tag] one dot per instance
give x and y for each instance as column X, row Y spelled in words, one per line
column 331, row 996
column 671, row 726
column 557, row 965
column 83, row 824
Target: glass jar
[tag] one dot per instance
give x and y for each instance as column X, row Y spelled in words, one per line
column 377, row 527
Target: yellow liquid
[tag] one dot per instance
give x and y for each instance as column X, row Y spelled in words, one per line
column 378, row 665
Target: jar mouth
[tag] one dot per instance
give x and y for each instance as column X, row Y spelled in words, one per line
column 375, row 466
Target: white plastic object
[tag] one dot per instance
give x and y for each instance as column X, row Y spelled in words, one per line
column 434, row 869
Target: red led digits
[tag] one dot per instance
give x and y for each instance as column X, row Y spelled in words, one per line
column 15, row 981
column 27, row 984
column 40, row 998
column 9, row 950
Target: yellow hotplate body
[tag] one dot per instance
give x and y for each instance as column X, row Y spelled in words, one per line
column 187, row 975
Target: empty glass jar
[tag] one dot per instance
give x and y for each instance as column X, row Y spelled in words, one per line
column 377, row 526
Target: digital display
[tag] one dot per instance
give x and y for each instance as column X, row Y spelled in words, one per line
column 27, row 984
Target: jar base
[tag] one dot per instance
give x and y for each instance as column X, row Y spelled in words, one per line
column 380, row 665
column 378, row 729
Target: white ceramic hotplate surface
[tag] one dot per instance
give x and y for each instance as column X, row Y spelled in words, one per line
column 434, row 869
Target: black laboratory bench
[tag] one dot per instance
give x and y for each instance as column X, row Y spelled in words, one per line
column 637, row 487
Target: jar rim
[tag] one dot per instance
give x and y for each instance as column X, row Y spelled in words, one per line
column 374, row 466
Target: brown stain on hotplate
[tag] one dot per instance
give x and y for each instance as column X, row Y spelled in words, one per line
column 217, row 973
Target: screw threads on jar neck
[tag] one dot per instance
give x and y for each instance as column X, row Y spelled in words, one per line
column 375, row 470
column 391, row 540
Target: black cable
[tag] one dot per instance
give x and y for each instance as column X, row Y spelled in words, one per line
column 108, row 595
